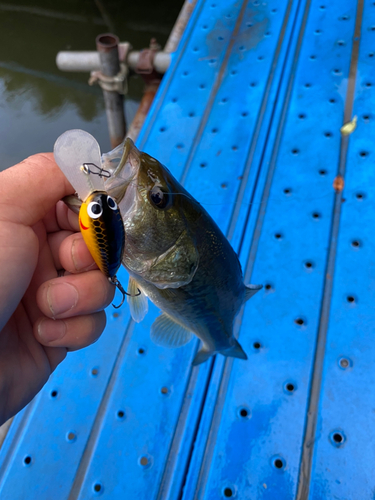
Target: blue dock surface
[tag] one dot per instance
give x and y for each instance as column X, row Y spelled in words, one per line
column 248, row 117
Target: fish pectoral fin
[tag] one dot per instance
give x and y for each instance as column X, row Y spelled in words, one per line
column 251, row 290
column 202, row 356
column 167, row 333
column 138, row 304
column 235, row 351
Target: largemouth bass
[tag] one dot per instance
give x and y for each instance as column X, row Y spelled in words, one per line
column 174, row 252
column 177, row 256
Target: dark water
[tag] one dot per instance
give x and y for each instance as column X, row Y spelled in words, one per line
column 37, row 101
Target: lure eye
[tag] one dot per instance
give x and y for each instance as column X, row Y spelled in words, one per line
column 111, row 203
column 94, row 210
column 159, row 198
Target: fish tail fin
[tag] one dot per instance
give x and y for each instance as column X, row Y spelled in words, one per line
column 235, row 351
column 202, row 356
column 251, row 290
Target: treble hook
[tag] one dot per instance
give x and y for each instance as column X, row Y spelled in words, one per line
column 85, row 168
column 116, row 282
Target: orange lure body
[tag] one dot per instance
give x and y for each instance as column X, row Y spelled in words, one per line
column 103, row 231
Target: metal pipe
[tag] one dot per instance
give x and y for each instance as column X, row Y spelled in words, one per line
column 179, row 26
column 143, row 109
column 90, row 60
column 107, row 46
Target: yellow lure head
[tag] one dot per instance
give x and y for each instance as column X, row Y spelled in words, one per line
column 103, row 231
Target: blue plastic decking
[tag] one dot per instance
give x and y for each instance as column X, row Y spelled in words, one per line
column 248, row 117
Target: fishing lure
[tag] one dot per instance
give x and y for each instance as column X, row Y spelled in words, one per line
column 77, row 154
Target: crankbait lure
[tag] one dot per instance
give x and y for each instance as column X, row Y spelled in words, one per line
column 77, row 154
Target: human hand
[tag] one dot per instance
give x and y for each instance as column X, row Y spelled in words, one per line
column 42, row 316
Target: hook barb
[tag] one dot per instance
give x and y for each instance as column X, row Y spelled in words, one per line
column 118, row 285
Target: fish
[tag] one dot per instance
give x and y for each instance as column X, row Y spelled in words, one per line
column 177, row 256
column 173, row 250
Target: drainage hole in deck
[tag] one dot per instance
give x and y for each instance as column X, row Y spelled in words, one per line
column 337, row 438
column 307, row 85
column 95, row 372
column 278, row 236
column 295, row 151
column 257, row 345
column 289, row 387
column 322, row 172
column 371, row 54
column 316, row 215
column 260, row 58
column 309, row 265
column 332, row 100
column 363, row 154
column 141, row 350
column 203, row 164
column 228, row 492
column 252, row 84
column 368, row 84
column 202, row 86
column 302, row 116
column 71, row 436
column 299, row 321
column 145, row 462
column 359, row 196
column 350, row 299
column 97, row 488
column 317, row 32
column 121, row 414
column 287, row 191
column 244, row 113
column 268, row 287
column 356, row 244
column 345, row 363
column 341, row 43
column 164, row 390
column 27, row 460
column 191, row 114
column 328, row 134
column 162, row 129
column 54, row 394
column 243, row 412
column 278, row 463
column 224, row 185
column 312, row 57
column 366, row 118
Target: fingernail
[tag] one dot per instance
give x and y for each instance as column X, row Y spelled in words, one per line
column 61, row 297
column 81, row 256
column 49, row 330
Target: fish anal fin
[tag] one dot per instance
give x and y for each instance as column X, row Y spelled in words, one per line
column 166, row 332
column 138, row 304
column 202, row 356
column 251, row 290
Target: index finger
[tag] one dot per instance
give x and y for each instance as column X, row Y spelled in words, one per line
column 29, row 190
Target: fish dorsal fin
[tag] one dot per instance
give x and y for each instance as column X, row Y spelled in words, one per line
column 251, row 290
column 138, row 304
column 167, row 333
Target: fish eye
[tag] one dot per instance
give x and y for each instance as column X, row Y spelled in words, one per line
column 159, row 198
column 111, row 203
column 94, row 210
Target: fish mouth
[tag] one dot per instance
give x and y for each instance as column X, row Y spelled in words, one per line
column 124, row 169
